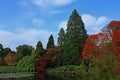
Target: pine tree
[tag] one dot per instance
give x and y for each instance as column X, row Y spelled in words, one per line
column 39, row 48
column 61, row 36
column 74, row 40
column 50, row 42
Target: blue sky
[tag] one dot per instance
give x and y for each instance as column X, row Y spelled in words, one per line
column 28, row 21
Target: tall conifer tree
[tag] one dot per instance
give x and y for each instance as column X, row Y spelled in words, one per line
column 61, row 36
column 39, row 48
column 50, row 42
column 74, row 40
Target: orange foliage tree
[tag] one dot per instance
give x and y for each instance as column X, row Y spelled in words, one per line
column 12, row 59
column 94, row 46
column 8, row 59
column 114, row 27
column 108, row 41
column 116, row 45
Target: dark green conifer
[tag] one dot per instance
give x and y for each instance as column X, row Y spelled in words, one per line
column 50, row 42
column 39, row 48
column 61, row 37
column 74, row 40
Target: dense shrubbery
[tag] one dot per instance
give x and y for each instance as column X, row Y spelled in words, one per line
column 26, row 64
column 104, row 69
column 70, row 68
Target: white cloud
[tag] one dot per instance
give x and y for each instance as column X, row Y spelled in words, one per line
column 45, row 3
column 94, row 24
column 38, row 22
column 62, row 2
column 63, row 24
column 23, row 36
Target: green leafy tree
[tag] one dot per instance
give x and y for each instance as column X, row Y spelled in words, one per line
column 24, row 49
column 1, row 50
column 39, row 48
column 1, row 47
column 61, row 36
column 6, row 51
column 74, row 40
column 50, row 42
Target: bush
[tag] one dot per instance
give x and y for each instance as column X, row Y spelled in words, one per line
column 67, row 68
column 104, row 69
column 26, row 64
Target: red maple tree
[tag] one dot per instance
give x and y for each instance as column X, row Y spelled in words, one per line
column 97, row 44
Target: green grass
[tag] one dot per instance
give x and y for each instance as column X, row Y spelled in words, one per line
column 8, row 69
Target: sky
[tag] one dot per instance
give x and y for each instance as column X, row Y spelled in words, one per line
column 30, row 21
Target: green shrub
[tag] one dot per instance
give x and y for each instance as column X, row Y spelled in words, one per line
column 104, row 69
column 26, row 64
column 67, row 68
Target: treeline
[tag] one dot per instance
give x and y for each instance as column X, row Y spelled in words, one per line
column 70, row 45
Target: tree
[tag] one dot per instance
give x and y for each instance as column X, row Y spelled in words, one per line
column 1, row 47
column 1, row 50
column 12, row 59
column 39, row 48
column 96, row 45
column 61, row 37
column 8, row 59
column 6, row 51
column 74, row 40
column 54, row 52
column 50, row 42
column 24, row 49
column 116, row 46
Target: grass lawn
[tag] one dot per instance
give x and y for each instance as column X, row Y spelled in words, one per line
column 8, row 69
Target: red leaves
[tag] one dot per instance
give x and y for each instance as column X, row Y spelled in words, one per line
column 100, row 43
column 114, row 24
column 48, row 59
column 90, row 46
column 42, row 62
column 116, row 43
column 40, row 68
column 95, row 45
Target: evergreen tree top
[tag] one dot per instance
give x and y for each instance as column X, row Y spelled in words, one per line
column 74, row 21
column 50, row 41
column 62, row 31
column 39, row 44
column 74, row 11
column 75, row 17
